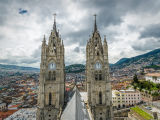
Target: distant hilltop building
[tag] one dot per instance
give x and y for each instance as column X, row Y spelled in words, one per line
column 52, row 96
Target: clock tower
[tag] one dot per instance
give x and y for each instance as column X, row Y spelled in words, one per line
column 52, row 77
column 97, row 77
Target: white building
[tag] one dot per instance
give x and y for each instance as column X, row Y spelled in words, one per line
column 153, row 77
column 131, row 96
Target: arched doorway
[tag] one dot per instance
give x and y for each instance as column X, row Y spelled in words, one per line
column 100, row 98
column 50, row 98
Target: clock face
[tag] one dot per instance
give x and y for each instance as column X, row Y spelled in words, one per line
column 98, row 66
column 52, row 66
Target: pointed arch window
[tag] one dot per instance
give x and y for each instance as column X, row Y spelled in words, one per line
column 100, row 75
column 101, row 118
column 50, row 75
column 96, row 75
column 97, row 53
column 50, row 98
column 54, row 75
column 100, row 98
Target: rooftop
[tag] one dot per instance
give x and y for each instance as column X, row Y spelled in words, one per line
column 153, row 74
column 27, row 114
column 74, row 106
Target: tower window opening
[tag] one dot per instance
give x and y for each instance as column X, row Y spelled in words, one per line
column 49, row 75
column 50, row 98
column 100, row 75
column 96, row 76
column 54, row 76
column 100, row 98
column 52, row 51
column 101, row 118
column 98, row 53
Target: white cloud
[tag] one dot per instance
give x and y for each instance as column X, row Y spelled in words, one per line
column 121, row 22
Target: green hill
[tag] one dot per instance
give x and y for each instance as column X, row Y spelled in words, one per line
column 14, row 67
column 75, row 68
column 152, row 56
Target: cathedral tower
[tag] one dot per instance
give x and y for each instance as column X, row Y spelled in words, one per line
column 97, row 77
column 52, row 77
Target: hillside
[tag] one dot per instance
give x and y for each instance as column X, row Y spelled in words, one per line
column 150, row 57
column 121, row 61
column 75, row 68
column 18, row 68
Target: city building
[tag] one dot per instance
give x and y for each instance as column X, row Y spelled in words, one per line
column 131, row 96
column 98, row 83
column 153, row 77
column 118, row 99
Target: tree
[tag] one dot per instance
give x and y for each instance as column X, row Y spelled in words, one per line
column 154, row 77
column 135, row 79
column 140, row 88
column 135, row 87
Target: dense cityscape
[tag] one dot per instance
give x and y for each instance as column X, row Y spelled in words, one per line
column 91, row 60
column 19, row 88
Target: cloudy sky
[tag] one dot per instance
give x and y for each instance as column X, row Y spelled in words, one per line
column 132, row 27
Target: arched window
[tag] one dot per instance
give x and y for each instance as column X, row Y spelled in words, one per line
column 50, row 75
column 54, row 76
column 50, row 98
column 100, row 75
column 98, row 53
column 96, row 75
column 100, row 98
column 101, row 118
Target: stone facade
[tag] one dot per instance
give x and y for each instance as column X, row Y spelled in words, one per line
column 52, row 78
column 98, row 78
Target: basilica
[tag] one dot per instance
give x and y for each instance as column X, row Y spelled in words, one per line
column 54, row 103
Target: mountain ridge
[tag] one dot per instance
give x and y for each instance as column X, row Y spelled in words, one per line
column 154, row 53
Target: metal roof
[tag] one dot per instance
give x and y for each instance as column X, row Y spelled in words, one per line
column 75, row 109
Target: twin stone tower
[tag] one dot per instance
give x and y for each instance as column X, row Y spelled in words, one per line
column 51, row 94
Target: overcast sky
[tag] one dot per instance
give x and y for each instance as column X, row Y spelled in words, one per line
column 132, row 27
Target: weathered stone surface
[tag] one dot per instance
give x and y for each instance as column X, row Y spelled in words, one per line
column 98, row 84
column 51, row 92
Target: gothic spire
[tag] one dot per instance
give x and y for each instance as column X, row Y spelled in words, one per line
column 54, row 25
column 44, row 39
column 95, row 25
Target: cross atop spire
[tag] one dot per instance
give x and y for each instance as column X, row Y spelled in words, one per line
column 95, row 16
column 54, row 16
column 54, row 25
column 95, row 25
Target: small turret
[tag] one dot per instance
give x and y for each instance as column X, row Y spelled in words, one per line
column 44, row 39
column 105, row 46
column 105, row 49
